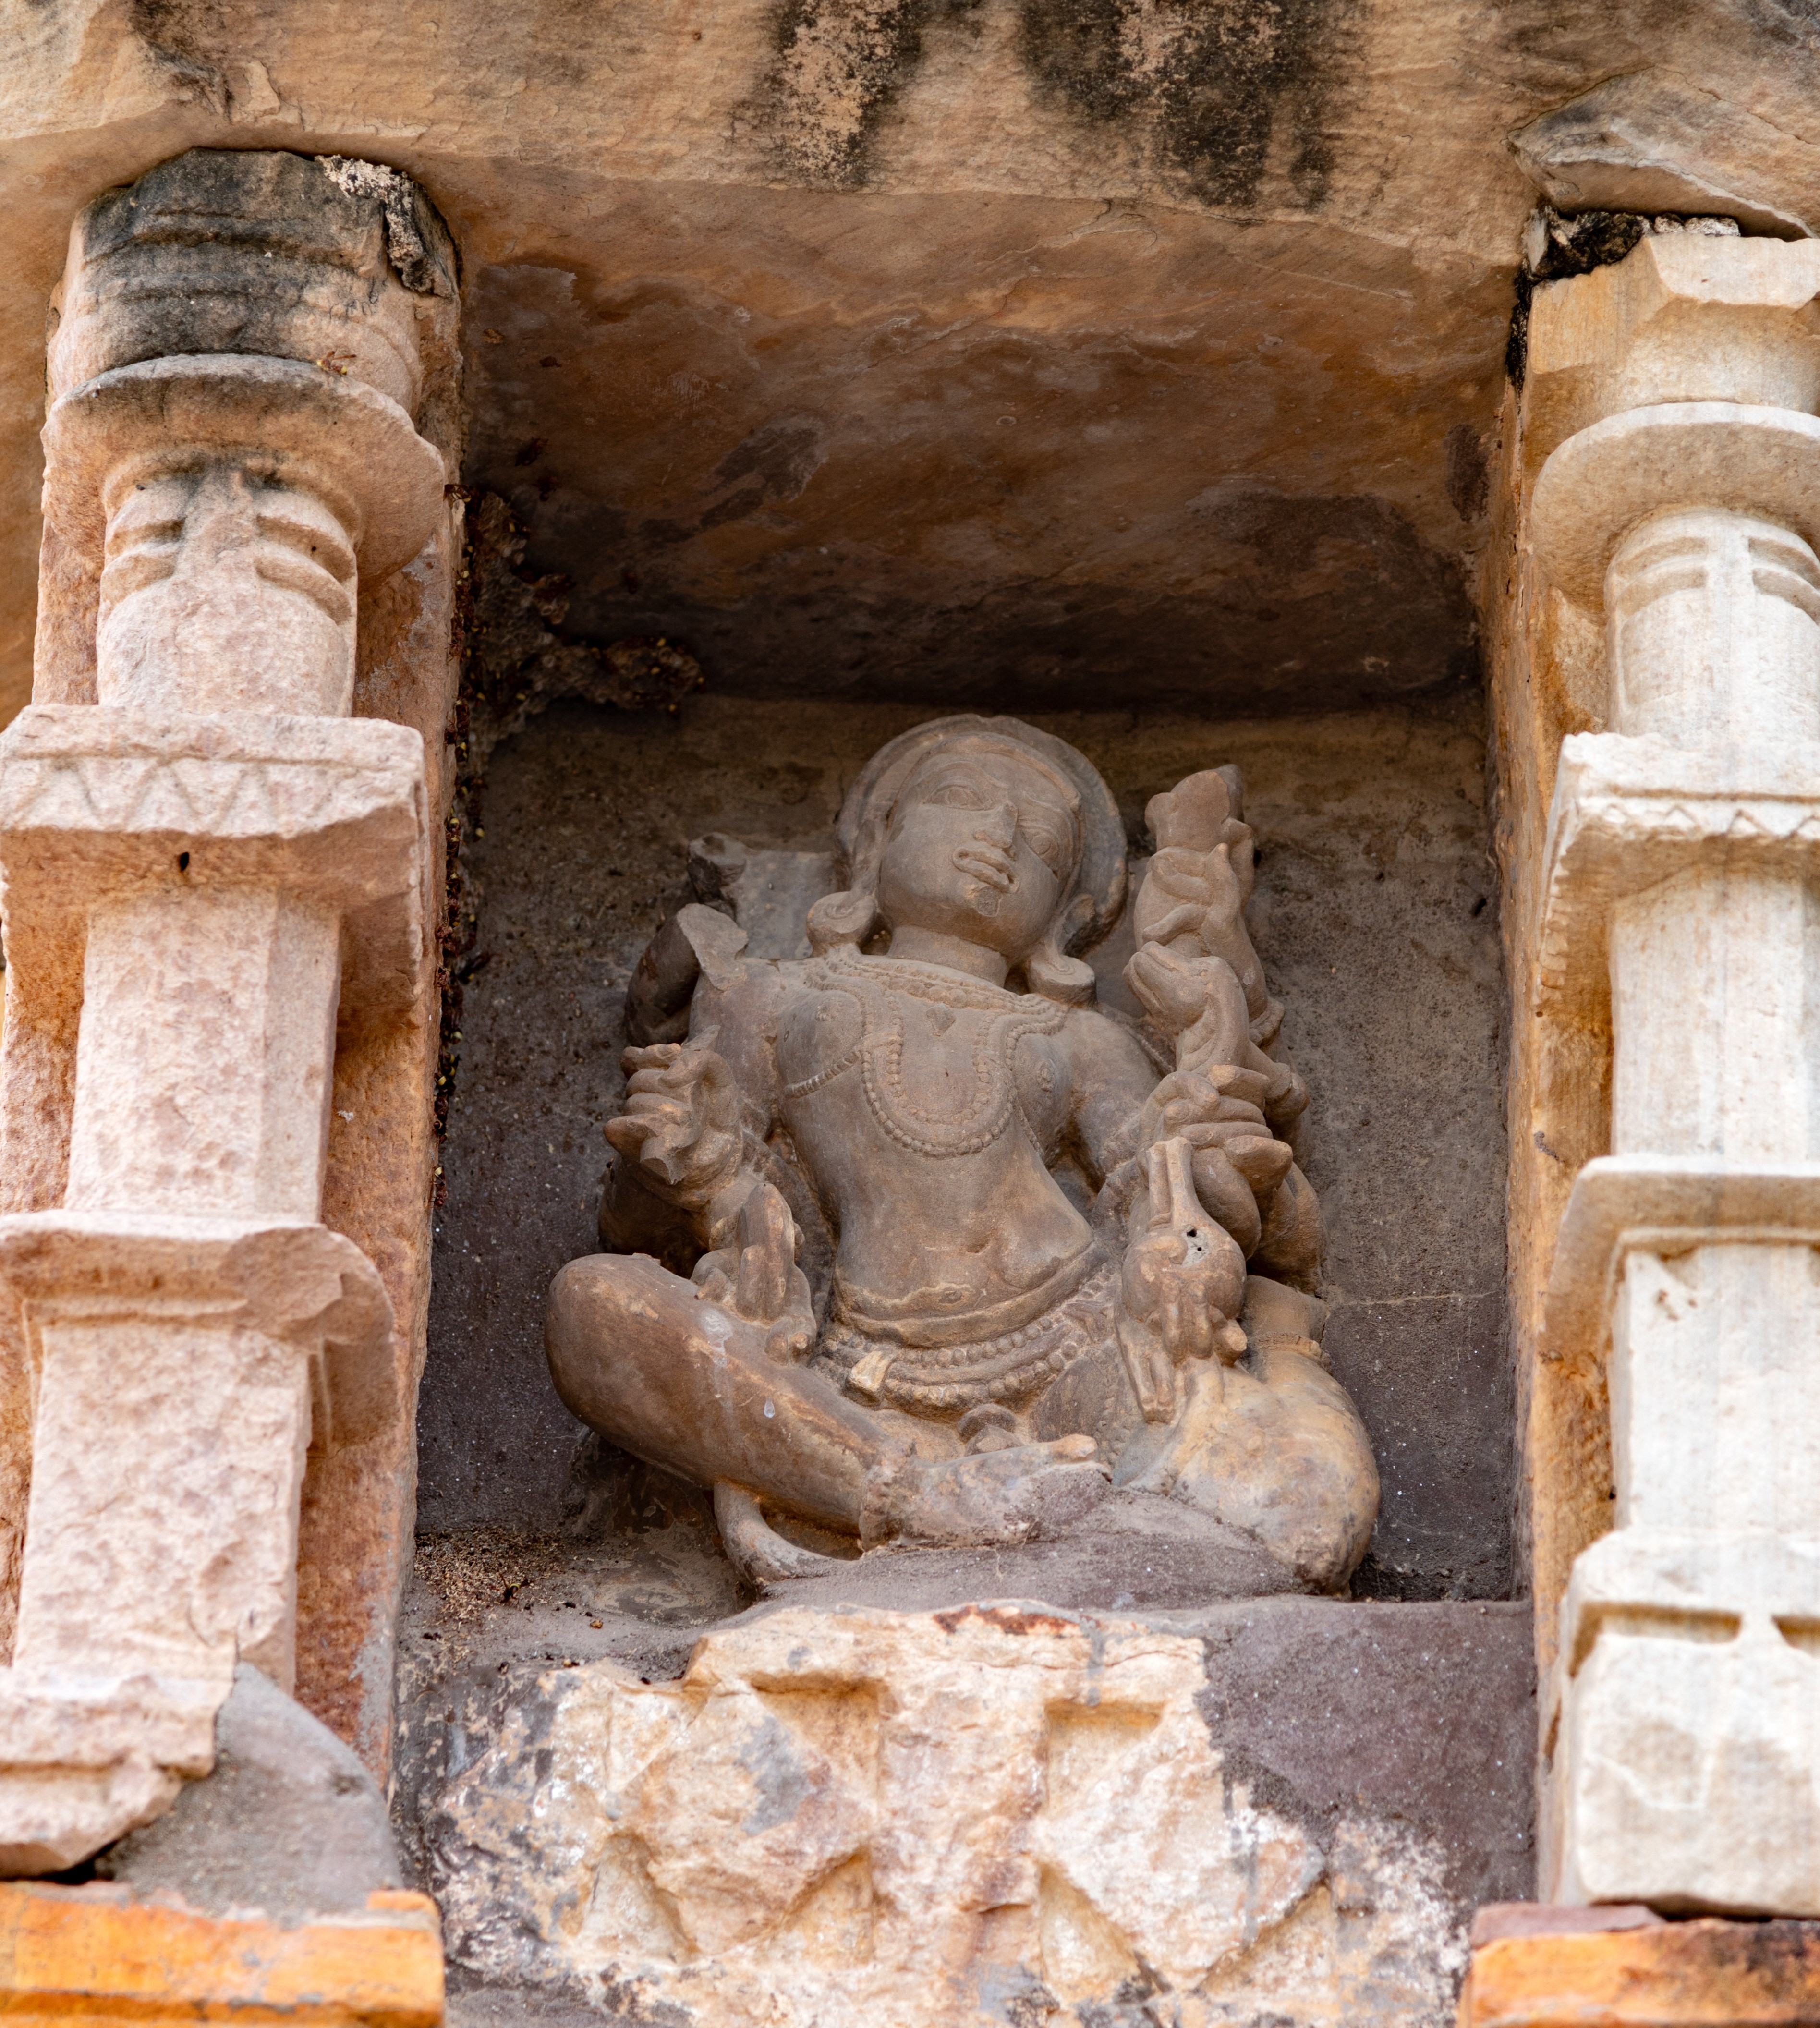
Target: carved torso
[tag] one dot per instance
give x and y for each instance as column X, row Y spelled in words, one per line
column 926, row 1104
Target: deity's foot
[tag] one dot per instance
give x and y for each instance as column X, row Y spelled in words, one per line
column 1026, row 1493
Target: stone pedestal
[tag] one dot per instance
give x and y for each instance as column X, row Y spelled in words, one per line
column 221, row 879
column 1000, row 1812
column 1685, row 1715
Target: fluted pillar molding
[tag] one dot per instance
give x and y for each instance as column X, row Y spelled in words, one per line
column 1681, row 504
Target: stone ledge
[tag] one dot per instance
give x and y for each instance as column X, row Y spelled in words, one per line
column 1630, row 812
column 96, row 1954
column 97, row 802
column 1701, row 1974
column 1665, row 1203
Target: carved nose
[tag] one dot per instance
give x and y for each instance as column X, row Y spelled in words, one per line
column 998, row 826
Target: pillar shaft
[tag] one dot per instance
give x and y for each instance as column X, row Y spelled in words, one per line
column 1710, row 631
column 1684, row 857
column 179, row 1540
column 1712, row 1048
column 205, row 1052
column 226, row 590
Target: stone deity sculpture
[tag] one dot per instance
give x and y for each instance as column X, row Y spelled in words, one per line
column 971, row 1250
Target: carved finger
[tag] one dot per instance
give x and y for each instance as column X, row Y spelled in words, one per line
column 1197, row 1321
column 1233, row 1122
column 1172, row 1202
column 1184, row 919
column 1262, row 1161
column 1152, row 1375
column 651, row 1056
column 625, row 1135
column 1162, row 1404
column 655, row 1106
column 1228, row 1196
column 790, row 1341
column 768, row 1254
column 1184, row 1085
column 1253, row 1087
column 1203, row 1320
column 1167, row 984
column 657, row 1082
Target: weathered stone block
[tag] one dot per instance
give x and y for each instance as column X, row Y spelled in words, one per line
column 1283, row 1807
column 1705, row 1975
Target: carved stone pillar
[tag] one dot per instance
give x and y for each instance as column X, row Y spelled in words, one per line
column 212, row 872
column 1682, row 502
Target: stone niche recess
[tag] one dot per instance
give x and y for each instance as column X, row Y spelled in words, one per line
column 964, row 1467
column 673, row 1750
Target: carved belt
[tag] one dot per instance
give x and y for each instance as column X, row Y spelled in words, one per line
column 946, row 1379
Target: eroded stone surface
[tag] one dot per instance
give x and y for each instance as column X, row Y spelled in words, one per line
column 954, row 1817
column 1240, row 283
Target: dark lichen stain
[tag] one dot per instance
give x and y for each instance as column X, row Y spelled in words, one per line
column 187, row 37
column 840, row 66
column 1468, row 481
column 775, row 463
column 1076, row 50
column 1219, row 90
column 1231, row 82
column 1570, row 246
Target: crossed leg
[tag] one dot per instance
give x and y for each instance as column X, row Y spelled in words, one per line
column 637, row 1353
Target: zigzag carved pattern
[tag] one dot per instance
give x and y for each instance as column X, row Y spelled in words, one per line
column 201, row 798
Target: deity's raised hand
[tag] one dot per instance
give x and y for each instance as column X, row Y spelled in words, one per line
column 681, row 1122
column 1183, row 1281
column 1195, row 999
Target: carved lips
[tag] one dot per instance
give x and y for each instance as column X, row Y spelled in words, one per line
column 992, row 868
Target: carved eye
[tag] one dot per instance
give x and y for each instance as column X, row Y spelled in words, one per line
column 958, row 795
column 1044, row 843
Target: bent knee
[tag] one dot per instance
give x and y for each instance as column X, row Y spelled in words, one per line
column 590, row 1302
column 602, row 1310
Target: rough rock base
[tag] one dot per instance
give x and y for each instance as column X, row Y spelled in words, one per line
column 1278, row 1808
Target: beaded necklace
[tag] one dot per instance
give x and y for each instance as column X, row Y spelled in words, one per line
column 996, row 1020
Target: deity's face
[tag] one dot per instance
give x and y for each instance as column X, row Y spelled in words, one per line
column 982, row 846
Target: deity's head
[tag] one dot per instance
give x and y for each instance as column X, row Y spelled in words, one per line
column 988, row 830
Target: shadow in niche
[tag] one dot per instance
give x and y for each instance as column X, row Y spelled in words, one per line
column 1371, row 915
